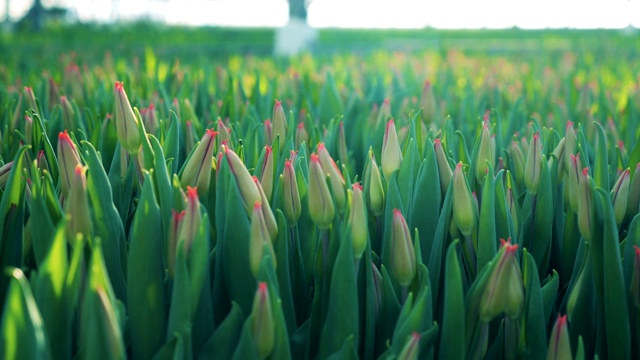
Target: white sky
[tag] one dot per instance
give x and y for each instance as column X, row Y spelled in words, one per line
column 361, row 13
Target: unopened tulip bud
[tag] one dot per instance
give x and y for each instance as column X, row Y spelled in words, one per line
column 570, row 144
column 41, row 161
column 517, row 162
column 150, row 119
column 172, row 243
column 620, row 196
column 464, row 207
column 262, row 324
column 391, row 153
column 559, row 343
column 558, row 153
column 270, row 220
column 428, row 102
column 335, row 177
column 4, row 173
column 301, row 135
column 247, row 187
column 634, row 193
column 403, row 257
column 126, row 122
column 279, row 122
column 77, row 205
column 68, row 114
column 224, row 133
column 197, row 171
column 268, row 131
column 266, row 177
column 585, row 206
column 30, row 98
column 358, row 221
column 573, row 181
column 504, row 288
column 533, row 167
column 411, row 348
column 192, row 218
column 321, row 206
column 634, row 291
column 68, row 159
column 485, row 153
column 259, row 240
column 373, row 186
column 291, row 196
column 444, row 168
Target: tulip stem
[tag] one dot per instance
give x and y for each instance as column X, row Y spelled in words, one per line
column 470, row 255
column 324, row 238
column 378, row 233
column 405, row 293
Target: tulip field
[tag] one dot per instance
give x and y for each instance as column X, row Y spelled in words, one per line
column 443, row 202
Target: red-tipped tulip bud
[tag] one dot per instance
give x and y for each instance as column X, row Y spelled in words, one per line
column 279, row 122
column 291, row 196
column 485, row 153
column 335, row 177
column 517, row 161
column 358, row 221
column 30, row 98
column 4, row 173
column 573, row 181
column 533, row 167
column 391, row 153
column 504, row 288
column 411, row 348
column 570, row 144
column 259, row 241
column 428, row 102
column 197, row 171
column 585, row 207
column 224, row 133
column 403, row 257
column 247, row 187
column 268, row 131
column 634, row 193
column 126, row 122
column 301, row 135
column 150, row 119
column 270, row 220
column 263, row 324
column 41, row 161
column 559, row 344
column 266, row 177
column 373, row 186
column 620, row 196
column 172, row 243
column 464, row 206
column 77, row 205
column 444, row 168
column 634, row 291
column 68, row 114
column 191, row 222
column 68, row 159
column 321, row 206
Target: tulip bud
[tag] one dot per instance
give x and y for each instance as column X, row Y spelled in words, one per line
column 77, row 205
column 279, row 122
column 485, row 153
column 403, row 257
column 68, row 114
column 464, row 207
column 634, row 193
column 575, row 169
column 197, row 171
column 391, row 154
column 358, row 221
column 517, row 162
column 126, row 122
column 28, row 129
column 373, row 186
column 558, row 153
column 634, row 290
column 335, row 177
column 575, row 293
column 150, row 119
column 291, row 196
column 262, row 322
column 259, row 240
column 247, row 187
column 585, row 207
column 223, row 131
column 41, row 161
column 268, row 131
column 321, row 206
column 190, row 138
column 428, row 102
column 411, row 348
column 504, row 288
column 301, row 135
column 533, row 167
column 30, row 98
column 570, row 144
column 4, row 173
column 172, row 243
column 269, row 219
column 190, row 224
column 444, row 168
column 559, row 343
column 266, row 177
column 620, row 196
column 68, row 159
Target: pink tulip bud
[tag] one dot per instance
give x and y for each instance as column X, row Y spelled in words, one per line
column 504, row 291
column 126, row 122
column 68, row 159
column 197, row 171
column 262, row 322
